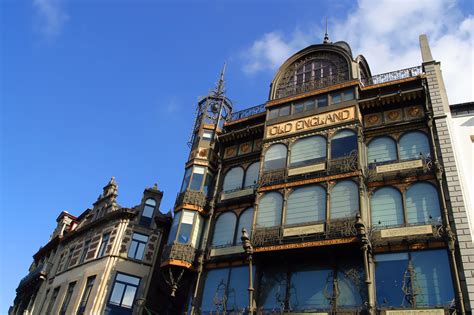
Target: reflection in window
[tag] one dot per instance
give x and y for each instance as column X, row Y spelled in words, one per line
column 124, row 290
column 422, row 203
column 387, row 207
column 308, row 286
column 275, row 157
column 225, row 289
column 198, row 175
column 306, row 204
column 343, row 144
column 174, row 227
column 233, row 179
column 382, row 149
column 186, row 227
column 308, row 151
column 344, row 201
column 224, row 229
column 413, row 279
column 269, row 210
column 251, row 175
column 245, row 221
column 137, row 247
column 412, row 144
column 147, row 214
column 187, row 177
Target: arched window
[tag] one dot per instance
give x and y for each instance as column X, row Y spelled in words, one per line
column 269, row 210
column 387, row 207
column 233, row 179
column 275, row 157
column 251, row 175
column 343, row 144
column 224, row 229
column 308, row 151
column 344, row 201
column 422, row 203
column 412, row 144
column 245, row 221
column 382, row 149
column 306, row 204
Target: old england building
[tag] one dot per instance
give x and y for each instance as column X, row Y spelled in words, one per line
column 339, row 195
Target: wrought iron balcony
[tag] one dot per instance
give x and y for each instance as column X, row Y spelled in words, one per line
column 196, row 198
column 392, row 76
column 248, row 112
column 39, row 273
column 178, row 251
column 380, row 171
column 344, row 164
column 272, row 177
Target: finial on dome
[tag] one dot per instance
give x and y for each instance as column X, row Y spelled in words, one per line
column 326, row 36
column 220, row 88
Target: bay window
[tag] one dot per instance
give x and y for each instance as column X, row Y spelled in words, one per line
column 186, row 228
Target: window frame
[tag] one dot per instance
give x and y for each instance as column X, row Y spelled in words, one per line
column 242, row 179
column 331, row 153
column 139, row 242
column 52, row 301
column 305, row 163
column 263, row 166
column 67, row 298
column 413, row 131
column 103, row 245
column 194, row 227
column 397, row 155
column 137, row 287
column 85, row 250
column 86, row 294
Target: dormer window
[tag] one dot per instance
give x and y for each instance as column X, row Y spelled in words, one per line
column 148, row 210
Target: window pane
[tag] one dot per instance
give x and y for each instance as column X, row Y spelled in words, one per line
column 322, row 101
column 187, row 177
column 382, row 149
column 148, row 211
column 129, row 296
column 269, row 210
column 307, row 204
column 224, row 229
column 412, row 144
column 140, row 251
column 272, row 289
column 298, row 108
column 309, row 105
column 275, row 157
column 198, row 176
column 133, row 249
column 128, row 279
column 307, row 288
column 308, row 151
column 387, row 207
column 117, row 293
column 251, row 175
column 343, row 143
column 272, row 113
column 214, row 289
column 140, row 237
column 174, row 227
column 285, row 110
column 433, row 278
column 233, row 179
column 348, row 95
column 245, row 221
column 389, row 272
column 150, row 202
column 237, row 296
column 423, row 204
column 336, row 97
column 344, row 201
column 184, row 233
column 188, row 217
column 197, row 231
column 208, row 184
column 207, row 134
column 350, row 284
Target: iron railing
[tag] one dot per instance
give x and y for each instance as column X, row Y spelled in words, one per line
column 40, row 272
column 393, row 76
column 196, row 198
column 178, row 251
column 427, row 165
column 248, row 112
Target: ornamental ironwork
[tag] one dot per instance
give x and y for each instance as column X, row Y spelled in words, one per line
column 196, row 198
column 393, row 76
column 272, row 177
column 178, row 251
column 343, row 165
column 427, row 165
column 248, row 112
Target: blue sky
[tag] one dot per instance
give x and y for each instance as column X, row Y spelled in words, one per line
column 90, row 90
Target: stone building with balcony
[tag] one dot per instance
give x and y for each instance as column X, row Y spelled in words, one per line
column 101, row 262
column 339, row 195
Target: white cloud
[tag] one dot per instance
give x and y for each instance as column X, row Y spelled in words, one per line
column 386, row 33
column 52, row 17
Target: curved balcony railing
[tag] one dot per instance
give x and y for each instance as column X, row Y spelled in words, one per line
column 196, row 198
column 178, row 251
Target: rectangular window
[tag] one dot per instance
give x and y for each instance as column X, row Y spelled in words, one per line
column 336, row 98
column 69, row 256
column 186, row 227
column 124, row 290
column 137, row 247
column 208, row 135
column 52, row 301
column 322, row 101
column 198, row 176
column 285, row 110
column 67, row 298
column 187, row 178
column 84, row 251
column 272, row 113
column 103, row 244
column 298, row 108
column 86, row 295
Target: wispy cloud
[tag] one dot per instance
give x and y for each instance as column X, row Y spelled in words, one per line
column 386, row 33
column 52, row 17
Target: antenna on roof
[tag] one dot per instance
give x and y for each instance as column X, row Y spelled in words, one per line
column 220, row 89
column 326, row 36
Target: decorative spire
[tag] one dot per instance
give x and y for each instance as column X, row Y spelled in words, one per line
column 220, row 86
column 326, row 36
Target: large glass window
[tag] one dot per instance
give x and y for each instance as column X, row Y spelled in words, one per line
column 269, row 210
column 124, row 290
column 103, row 244
column 245, row 221
column 233, row 179
column 308, row 151
column 344, row 201
column 224, row 229
column 382, row 149
column 137, row 246
column 251, row 175
column 174, row 227
column 148, row 210
column 67, row 298
column 343, row 144
column 186, row 228
column 387, row 207
column 410, row 279
column 413, row 144
column 422, row 204
column 306, row 204
column 187, row 178
column 275, row 157
column 85, row 295
column 225, row 289
column 197, row 178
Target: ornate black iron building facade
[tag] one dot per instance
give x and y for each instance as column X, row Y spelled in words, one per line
column 339, row 195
